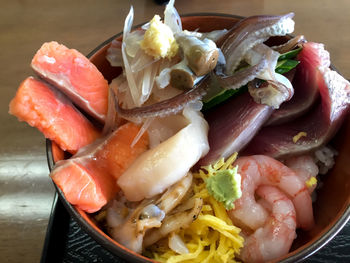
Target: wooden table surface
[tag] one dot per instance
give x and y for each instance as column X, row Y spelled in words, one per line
column 25, row 190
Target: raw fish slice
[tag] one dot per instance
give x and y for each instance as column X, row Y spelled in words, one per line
column 117, row 154
column 84, row 185
column 74, row 75
column 168, row 162
column 88, row 180
column 319, row 125
column 48, row 110
column 232, row 126
column 305, row 86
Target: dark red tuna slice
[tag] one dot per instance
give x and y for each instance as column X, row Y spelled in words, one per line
column 232, row 125
column 304, row 83
column 319, row 125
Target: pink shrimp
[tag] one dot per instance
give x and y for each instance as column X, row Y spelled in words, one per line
column 304, row 166
column 263, row 170
column 275, row 238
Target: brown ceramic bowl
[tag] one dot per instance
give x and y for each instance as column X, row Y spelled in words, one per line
column 331, row 209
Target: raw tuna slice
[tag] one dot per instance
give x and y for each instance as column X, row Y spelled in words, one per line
column 48, row 110
column 88, row 180
column 305, row 86
column 232, row 125
column 316, row 128
column 74, row 75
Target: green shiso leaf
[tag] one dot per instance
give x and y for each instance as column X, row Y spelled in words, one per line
column 286, row 65
column 290, row 54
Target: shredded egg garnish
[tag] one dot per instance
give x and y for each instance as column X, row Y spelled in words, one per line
column 298, row 136
column 211, row 237
column 311, row 182
column 159, row 41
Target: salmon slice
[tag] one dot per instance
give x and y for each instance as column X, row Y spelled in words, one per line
column 48, row 110
column 84, row 185
column 117, row 154
column 88, row 180
column 74, row 75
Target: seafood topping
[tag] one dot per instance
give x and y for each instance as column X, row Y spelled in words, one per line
column 306, row 90
column 320, row 124
column 45, row 108
column 129, row 229
column 251, row 31
column 88, row 179
column 74, row 75
column 277, row 234
column 202, row 55
column 160, row 167
column 263, row 170
column 233, row 125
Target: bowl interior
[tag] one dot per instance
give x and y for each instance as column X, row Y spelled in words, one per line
column 331, row 208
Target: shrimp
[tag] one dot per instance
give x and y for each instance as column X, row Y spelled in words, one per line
column 305, row 167
column 275, row 238
column 263, row 170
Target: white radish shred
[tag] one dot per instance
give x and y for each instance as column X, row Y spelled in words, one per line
column 132, row 42
column 114, row 54
column 123, row 92
column 111, row 113
column 143, row 129
column 163, row 79
column 141, row 61
column 172, row 18
column 145, row 26
column 177, row 244
column 128, row 22
column 149, row 76
column 131, row 80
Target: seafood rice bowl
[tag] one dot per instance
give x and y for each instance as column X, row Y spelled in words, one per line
column 208, row 138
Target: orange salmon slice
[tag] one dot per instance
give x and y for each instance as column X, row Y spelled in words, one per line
column 48, row 110
column 88, row 180
column 72, row 73
column 84, row 185
column 117, row 153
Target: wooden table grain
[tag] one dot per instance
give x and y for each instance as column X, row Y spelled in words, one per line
column 25, row 190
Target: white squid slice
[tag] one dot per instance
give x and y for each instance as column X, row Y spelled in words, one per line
column 160, row 167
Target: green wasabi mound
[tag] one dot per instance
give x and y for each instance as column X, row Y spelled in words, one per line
column 225, row 186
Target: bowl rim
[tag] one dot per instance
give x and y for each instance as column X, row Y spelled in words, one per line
column 305, row 251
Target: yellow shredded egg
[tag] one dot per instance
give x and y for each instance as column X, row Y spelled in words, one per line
column 298, row 136
column 211, row 237
column 311, row 182
column 159, row 41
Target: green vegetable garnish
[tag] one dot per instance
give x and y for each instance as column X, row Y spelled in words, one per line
column 220, row 97
column 290, row 54
column 225, row 186
column 286, row 65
